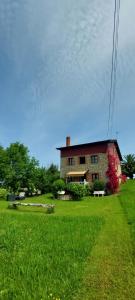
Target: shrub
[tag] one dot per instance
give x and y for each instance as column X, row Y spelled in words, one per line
column 3, row 194
column 12, row 206
column 98, row 185
column 123, row 178
column 77, row 191
column 50, row 209
column 58, row 185
column 87, row 190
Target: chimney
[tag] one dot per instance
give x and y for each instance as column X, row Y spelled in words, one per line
column 67, row 141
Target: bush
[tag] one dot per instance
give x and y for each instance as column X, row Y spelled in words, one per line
column 98, row 185
column 88, row 189
column 3, row 194
column 50, row 209
column 77, row 191
column 12, row 206
column 123, row 178
column 58, row 185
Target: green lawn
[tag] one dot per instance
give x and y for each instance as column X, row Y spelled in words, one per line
column 85, row 250
column 127, row 201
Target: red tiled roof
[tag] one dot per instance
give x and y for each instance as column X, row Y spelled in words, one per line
column 94, row 144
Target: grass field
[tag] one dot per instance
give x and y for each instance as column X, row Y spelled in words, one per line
column 127, row 200
column 85, row 250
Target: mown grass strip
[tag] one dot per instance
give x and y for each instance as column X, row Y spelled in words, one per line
column 110, row 272
column 127, row 200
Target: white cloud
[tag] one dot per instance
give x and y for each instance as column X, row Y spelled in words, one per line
column 61, row 58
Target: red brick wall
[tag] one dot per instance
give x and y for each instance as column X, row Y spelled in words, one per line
column 85, row 150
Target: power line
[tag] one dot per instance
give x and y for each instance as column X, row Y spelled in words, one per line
column 113, row 67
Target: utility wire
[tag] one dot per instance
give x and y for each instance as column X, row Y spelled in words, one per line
column 115, row 64
column 113, row 67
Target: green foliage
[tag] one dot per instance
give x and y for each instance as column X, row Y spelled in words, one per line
column 50, row 209
column 52, row 174
column 98, row 185
column 12, row 206
column 88, row 189
column 42, row 181
column 3, row 194
column 46, row 177
column 58, row 185
column 78, row 191
column 128, row 166
column 30, row 177
column 3, row 164
column 18, row 170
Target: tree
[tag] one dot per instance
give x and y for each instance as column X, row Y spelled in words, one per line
column 20, row 168
column 52, row 174
column 58, row 185
column 31, row 174
column 17, row 158
column 113, row 179
column 128, row 166
column 42, row 181
column 3, row 165
column 46, row 177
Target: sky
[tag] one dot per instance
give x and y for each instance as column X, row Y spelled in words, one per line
column 55, row 65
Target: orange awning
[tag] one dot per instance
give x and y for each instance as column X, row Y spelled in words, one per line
column 76, row 173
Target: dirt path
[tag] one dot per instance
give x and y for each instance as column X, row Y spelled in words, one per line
column 110, row 272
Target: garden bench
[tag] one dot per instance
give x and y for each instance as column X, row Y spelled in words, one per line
column 99, row 193
column 49, row 207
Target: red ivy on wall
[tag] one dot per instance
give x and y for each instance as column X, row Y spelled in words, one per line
column 123, row 178
column 113, row 178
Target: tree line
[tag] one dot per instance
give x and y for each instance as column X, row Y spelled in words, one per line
column 128, row 165
column 18, row 170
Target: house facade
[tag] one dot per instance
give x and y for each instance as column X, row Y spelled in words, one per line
column 88, row 162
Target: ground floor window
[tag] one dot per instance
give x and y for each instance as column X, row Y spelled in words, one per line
column 95, row 176
column 76, row 179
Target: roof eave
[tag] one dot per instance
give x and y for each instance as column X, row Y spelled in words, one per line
column 94, row 143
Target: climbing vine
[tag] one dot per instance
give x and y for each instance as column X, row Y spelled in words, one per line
column 113, row 178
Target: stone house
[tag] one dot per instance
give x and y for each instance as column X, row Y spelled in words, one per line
column 87, row 162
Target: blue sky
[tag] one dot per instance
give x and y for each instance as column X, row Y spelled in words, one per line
column 55, row 60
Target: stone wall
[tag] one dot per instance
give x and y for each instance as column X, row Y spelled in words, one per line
column 100, row 167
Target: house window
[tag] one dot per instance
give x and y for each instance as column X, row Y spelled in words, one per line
column 82, row 160
column 71, row 161
column 94, row 159
column 95, row 176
